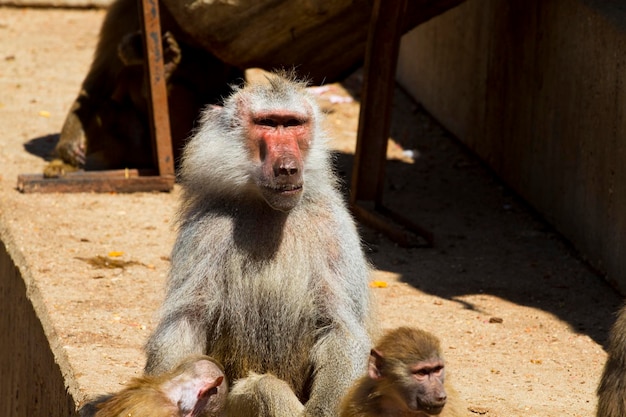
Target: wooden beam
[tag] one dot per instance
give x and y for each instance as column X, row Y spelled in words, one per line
column 381, row 56
column 397, row 228
column 118, row 181
column 379, row 80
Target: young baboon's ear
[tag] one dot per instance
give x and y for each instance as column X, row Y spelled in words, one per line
column 191, row 394
column 375, row 364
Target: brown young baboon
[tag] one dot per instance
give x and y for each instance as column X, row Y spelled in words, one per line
column 195, row 388
column 405, row 378
column 268, row 274
column 612, row 387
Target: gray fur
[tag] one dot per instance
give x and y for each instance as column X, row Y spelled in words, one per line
column 262, row 290
column 612, row 387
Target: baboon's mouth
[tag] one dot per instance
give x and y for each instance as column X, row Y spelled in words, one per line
column 433, row 410
column 282, row 197
column 286, row 188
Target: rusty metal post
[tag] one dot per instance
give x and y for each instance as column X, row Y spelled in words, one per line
column 158, row 106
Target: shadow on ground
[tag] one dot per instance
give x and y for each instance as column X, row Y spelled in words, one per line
column 42, row 146
column 487, row 240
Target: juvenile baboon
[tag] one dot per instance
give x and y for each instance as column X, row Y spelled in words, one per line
column 405, row 378
column 612, row 387
column 195, row 388
column 268, row 274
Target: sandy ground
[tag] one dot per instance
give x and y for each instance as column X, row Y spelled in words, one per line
column 522, row 319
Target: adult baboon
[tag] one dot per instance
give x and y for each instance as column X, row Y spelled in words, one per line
column 268, row 274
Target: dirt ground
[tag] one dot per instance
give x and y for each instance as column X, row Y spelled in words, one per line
column 522, row 319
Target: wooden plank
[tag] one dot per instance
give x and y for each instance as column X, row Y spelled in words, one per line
column 119, row 181
column 406, row 235
column 409, row 225
column 376, row 100
column 324, row 40
column 368, row 177
column 158, row 105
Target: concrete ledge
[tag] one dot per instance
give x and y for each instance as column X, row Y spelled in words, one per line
column 32, row 382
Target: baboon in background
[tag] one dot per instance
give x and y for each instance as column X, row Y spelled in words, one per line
column 268, row 274
column 612, row 388
column 405, row 378
column 195, row 388
column 107, row 126
column 120, row 121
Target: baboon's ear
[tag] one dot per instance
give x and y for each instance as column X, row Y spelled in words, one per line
column 375, row 364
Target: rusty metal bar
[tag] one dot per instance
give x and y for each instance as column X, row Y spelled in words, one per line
column 158, row 106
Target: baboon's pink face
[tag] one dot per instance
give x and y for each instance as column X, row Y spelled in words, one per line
column 279, row 141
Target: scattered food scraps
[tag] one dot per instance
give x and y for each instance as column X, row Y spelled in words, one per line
column 478, row 410
column 104, row 262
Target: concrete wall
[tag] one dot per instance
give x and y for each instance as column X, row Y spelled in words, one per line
column 31, row 382
column 538, row 90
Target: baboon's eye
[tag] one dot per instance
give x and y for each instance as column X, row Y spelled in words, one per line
column 266, row 122
column 294, row 122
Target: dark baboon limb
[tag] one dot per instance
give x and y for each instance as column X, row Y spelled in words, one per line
column 612, row 387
